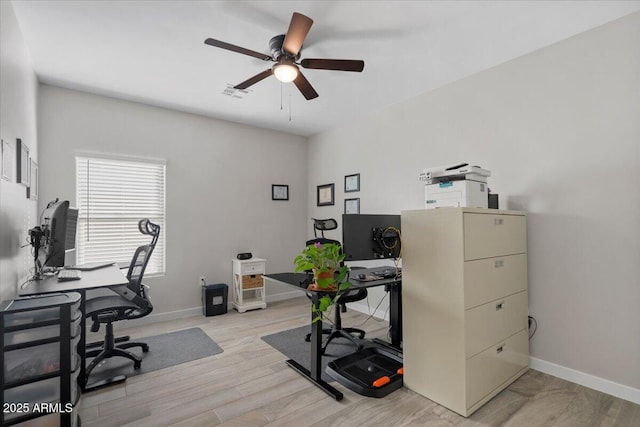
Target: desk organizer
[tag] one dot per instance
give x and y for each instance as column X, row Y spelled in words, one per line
column 40, row 365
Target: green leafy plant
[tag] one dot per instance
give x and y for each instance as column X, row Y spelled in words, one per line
column 324, row 259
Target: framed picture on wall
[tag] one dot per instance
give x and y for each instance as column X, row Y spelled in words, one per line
column 279, row 192
column 326, row 195
column 7, row 161
column 33, row 181
column 352, row 206
column 22, row 163
column 352, row 183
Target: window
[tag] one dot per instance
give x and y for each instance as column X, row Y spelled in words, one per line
column 112, row 196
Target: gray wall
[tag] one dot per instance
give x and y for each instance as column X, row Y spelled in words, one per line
column 560, row 131
column 218, row 185
column 19, row 88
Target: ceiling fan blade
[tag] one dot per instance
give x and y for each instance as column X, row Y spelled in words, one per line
column 238, row 49
column 297, row 32
column 253, row 80
column 333, row 64
column 305, row 87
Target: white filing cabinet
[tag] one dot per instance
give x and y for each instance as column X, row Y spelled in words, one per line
column 249, row 292
column 465, row 305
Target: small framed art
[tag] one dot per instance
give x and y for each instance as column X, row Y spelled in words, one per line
column 352, row 206
column 33, row 181
column 352, row 183
column 326, row 194
column 7, row 161
column 22, row 163
column 279, row 192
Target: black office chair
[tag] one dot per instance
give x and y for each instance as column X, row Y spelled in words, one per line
column 130, row 302
column 351, row 295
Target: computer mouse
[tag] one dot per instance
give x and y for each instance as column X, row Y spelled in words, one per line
column 361, row 276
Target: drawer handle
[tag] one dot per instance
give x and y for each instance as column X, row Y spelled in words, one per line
column 500, row 349
column 500, row 306
column 499, row 263
column 498, row 221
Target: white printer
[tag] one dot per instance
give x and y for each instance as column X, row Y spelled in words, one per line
column 460, row 185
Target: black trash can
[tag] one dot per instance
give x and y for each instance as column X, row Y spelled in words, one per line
column 214, row 299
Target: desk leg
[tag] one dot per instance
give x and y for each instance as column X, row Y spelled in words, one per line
column 395, row 315
column 82, row 346
column 315, row 374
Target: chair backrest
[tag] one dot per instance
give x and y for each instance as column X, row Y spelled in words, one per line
column 138, row 266
column 323, row 224
column 141, row 256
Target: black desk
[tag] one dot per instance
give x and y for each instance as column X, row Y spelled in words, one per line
column 100, row 278
column 392, row 285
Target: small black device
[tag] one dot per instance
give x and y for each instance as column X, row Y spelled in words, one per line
column 245, row 255
column 493, row 201
column 214, row 299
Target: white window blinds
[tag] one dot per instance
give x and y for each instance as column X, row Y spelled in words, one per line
column 112, row 196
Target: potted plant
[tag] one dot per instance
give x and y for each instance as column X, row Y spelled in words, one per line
column 324, row 260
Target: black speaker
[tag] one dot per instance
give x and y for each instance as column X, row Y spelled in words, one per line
column 493, row 201
column 245, row 255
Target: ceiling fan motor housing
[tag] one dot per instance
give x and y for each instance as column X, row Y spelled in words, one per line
column 275, row 45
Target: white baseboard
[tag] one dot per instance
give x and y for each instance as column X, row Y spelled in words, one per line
column 362, row 307
column 161, row 317
column 194, row 311
column 615, row 389
column 284, row 295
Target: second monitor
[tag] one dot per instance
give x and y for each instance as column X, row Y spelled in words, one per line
column 369, row 237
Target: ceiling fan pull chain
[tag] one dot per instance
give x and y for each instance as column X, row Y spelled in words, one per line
column 289, row 104
column 280, row 96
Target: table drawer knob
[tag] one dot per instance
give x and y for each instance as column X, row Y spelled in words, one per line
column 501, row 348
column 499, row 263
column 498, row 221
column 500, row 306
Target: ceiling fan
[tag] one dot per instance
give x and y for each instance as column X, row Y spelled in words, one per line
column 285, row 51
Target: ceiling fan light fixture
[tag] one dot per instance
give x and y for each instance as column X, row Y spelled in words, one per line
column 285, row 72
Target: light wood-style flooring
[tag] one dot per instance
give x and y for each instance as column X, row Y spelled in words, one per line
column 249, row 384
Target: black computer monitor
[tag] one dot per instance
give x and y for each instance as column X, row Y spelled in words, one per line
column 59, row 229
column 368, row 237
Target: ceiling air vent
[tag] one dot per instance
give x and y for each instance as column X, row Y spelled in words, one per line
column 235, row 93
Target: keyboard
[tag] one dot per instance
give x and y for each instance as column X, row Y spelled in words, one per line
column 65, row 275
column 387, row 272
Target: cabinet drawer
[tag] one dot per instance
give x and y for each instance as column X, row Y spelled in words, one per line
column 252, row 281
column 492, row 235
column 36, row 360
column 41, row 315
column 491, row 278
column 489, row 369
column 489, row 323
column 252, row 268
column 22, row 336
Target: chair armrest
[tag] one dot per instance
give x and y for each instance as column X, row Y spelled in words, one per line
column 129, row 295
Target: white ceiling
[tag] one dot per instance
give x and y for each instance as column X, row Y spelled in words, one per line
column 154, row 51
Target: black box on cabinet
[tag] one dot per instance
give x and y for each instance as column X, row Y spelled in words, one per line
column 214, row 299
